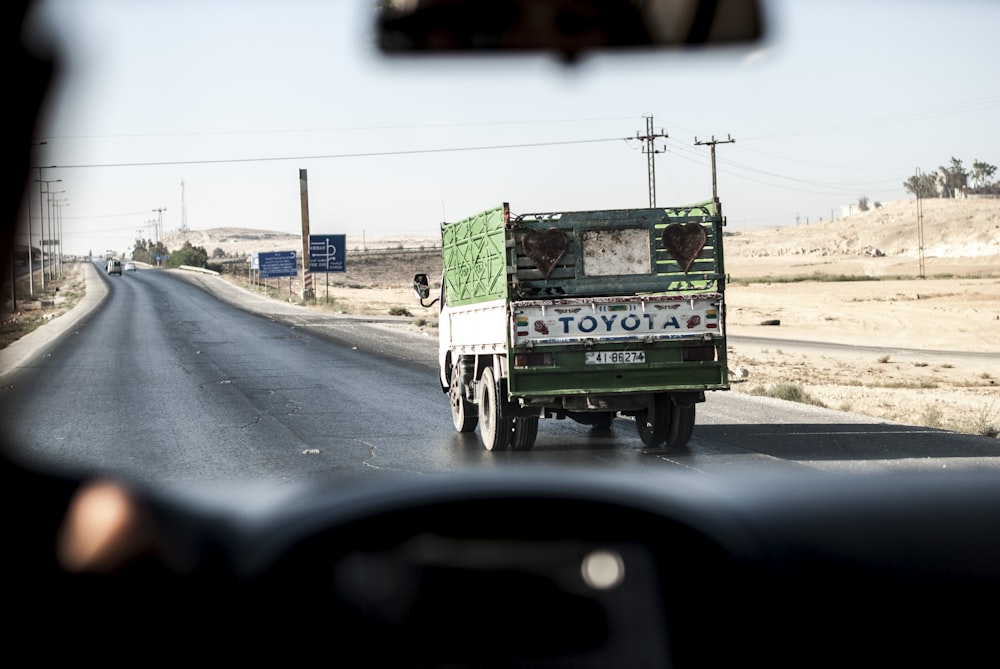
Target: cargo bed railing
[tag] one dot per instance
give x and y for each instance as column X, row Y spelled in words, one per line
column 615, row 252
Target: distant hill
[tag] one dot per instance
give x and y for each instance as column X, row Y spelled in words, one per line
column 245, row 241
column 951, row 228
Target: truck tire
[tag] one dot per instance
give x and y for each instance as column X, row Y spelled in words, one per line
column 463, row 412
column 525, row 432
column 681, row 425
column 495, row 430
column 653, row 425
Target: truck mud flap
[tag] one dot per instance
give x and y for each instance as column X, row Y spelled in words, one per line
column 688, row 399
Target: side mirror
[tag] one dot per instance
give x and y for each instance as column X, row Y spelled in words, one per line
column 421, row 287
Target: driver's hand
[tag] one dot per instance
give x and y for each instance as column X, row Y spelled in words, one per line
column 105, row 528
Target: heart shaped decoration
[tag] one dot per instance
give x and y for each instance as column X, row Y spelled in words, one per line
column 684, row 243
column 545, row 248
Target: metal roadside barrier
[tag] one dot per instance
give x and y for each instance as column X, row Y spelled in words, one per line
column 202, row 270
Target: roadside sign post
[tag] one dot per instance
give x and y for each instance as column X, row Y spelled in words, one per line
column 327, row 253
column 277, row 264
column 307, row 287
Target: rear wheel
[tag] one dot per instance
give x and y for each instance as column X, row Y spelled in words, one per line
column 495, row 431
column 653, row 423
column 681, row 425
column 525, row 432
column 463, row 412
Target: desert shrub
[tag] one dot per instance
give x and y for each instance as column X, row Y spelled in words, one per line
column 913, row 385
column 986, row 429
column 790, row 392
column 932, row 417
column 399, row 311
column 986, row 423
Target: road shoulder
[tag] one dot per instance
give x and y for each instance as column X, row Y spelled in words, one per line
column 34, row 344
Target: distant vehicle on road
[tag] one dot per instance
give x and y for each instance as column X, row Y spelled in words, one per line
column 130, row 267
column 114, row 267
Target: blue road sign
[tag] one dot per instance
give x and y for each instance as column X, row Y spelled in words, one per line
column 277, row 263
column 327, row 253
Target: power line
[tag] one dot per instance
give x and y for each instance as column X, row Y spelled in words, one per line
column 978, row 105
column 361, row 128
column 370, row 154
column 690, row 157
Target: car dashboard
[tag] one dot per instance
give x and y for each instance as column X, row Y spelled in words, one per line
column 529, row 569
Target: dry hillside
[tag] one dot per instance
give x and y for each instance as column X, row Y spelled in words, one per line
column 960, row 237
column 245, row 241
column 952, row 230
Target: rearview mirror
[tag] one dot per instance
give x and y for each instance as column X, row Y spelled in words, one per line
column 567, row 27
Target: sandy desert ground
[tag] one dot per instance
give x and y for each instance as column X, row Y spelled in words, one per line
column 854, row 281
column 916, row 350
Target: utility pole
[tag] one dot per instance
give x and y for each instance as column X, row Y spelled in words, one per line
column 184, row 215
column 41, row 219
column 712, row 142
column 159, row 222
column 59, row 204
column 31, row 266
column 649, row 148
column 53, row 240
column 920, row 226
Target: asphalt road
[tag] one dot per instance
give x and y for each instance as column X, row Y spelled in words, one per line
column 175, row 377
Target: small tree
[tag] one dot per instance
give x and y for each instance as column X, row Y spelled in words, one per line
column 863, row 203
column 952, row 179
column 194, row 256
column 922, row 185
column 981, row 173
column 145, row 250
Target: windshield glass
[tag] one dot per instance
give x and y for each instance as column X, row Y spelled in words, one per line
column 212, row 145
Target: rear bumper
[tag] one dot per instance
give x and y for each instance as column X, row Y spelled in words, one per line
column 668, row 367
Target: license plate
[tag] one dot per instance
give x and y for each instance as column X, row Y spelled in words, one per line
column 615, row 357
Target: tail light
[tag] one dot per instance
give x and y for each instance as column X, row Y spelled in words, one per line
column 534, row 360
column 699, row 353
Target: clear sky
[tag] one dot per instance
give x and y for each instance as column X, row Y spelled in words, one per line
column 232, row 97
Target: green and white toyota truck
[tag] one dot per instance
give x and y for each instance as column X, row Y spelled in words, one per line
column 584, row 315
